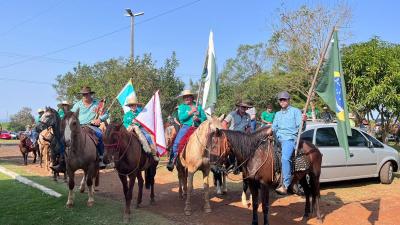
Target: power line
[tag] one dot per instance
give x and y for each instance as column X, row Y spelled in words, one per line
column 29, row 19
column 57, row 60
column 100, row 36
column 25, row 81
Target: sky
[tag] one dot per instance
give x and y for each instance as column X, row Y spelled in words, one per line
column 65, row 32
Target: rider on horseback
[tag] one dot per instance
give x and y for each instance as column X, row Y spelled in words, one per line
column 63, row 108
column 87, row 116
column 189, row 115
column 285, row 126
column 135, row 109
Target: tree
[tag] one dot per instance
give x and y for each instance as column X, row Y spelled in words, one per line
column 372, row 72
column 109, row 77
column 297, row 41
column 22, row 118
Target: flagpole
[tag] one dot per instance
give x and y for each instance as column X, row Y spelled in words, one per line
column 311, row 90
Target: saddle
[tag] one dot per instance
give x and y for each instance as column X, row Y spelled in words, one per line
column 185, row 139
column 90, row 132
column 300, row 162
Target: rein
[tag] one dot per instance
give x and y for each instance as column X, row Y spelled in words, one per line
column 117, row 147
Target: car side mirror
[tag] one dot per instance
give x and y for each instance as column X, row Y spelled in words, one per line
column 370, row 144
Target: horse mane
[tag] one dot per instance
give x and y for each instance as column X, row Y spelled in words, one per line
column 57, row 124
column 246, row 144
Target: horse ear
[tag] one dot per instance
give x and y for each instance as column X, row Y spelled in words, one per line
column 221, row 118
column 218, row 132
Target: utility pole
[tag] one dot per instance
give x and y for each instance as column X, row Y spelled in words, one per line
column 132, row 15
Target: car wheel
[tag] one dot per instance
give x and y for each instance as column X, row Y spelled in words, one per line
column 386, row 173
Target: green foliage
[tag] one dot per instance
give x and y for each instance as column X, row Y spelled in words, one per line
column 109, row 77
column 19, row 120
column 372, row 71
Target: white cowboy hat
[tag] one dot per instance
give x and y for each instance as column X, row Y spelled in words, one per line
column 133, row 101
column 186, row 93
column 63, row 103
column 40, row 110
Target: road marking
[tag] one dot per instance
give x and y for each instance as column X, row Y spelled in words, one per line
column 26, row 181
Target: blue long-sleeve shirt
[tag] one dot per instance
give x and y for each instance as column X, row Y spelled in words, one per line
column 87, row 114
column 286, row 123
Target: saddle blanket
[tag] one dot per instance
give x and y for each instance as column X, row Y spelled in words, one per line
column 185, row 139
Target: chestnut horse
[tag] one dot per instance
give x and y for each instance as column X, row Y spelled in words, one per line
column 25, row 146
column 195, row 157
column 255, row 153
column 125, row 149
column 80, row 153
column 45, row 138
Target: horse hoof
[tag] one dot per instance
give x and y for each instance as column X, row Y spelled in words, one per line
column 136, row 206
column 90, row 204
column 152, row 202
column 188, row 212
column 69, row 205
column 82, row 190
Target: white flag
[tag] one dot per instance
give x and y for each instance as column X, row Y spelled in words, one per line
column 210, row 78
column 151, row 119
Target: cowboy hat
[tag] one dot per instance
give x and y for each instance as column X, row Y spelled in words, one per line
column 133, row 101
column 351, row 116
column 243, row 104
column 186, row 93
column 40, row 110
column 63, row 103
column 86, row 90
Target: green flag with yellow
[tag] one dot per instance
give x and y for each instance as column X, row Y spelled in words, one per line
column 331, row 88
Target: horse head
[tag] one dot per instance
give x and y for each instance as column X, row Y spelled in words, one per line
column 111, row 141
column 219, row 147
column 71, row 127
column 50, row 118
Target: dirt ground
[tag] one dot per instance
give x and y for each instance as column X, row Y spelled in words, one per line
column 352, row 202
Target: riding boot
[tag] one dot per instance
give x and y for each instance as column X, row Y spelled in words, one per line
column 170, row 165
column 60, row 167
column 101, row 163
column 154, row 152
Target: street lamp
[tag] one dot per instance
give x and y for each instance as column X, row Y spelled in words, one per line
column 132, row 16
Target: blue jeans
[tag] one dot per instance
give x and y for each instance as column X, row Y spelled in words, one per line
column 287, row 151
column 99, row 135
column 253, row 125
column 178, row 139
column 146, row 135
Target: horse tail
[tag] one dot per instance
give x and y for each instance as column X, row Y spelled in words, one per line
column 150, row 173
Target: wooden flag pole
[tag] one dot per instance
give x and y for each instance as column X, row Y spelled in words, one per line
column 311, row 90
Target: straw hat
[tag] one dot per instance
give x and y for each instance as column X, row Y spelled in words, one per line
column 64, row 103
column 186, row 93
column 86, row 90
column 40, row 110
column 133, row 101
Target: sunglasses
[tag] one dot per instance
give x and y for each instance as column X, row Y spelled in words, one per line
column 283, row 100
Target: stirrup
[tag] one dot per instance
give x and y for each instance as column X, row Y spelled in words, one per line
column 102, row 165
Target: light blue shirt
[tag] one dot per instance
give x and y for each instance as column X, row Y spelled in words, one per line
column 87, row 114
column 286, row 123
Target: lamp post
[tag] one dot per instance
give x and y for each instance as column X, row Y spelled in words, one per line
column 132, row 16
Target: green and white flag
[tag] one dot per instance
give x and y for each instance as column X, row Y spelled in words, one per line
column 331, row 88
column 210, row 78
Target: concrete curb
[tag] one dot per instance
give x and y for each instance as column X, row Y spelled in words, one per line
column 26, row 181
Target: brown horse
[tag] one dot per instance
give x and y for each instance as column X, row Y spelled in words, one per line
column 80, row 153
column 25, row 146
column 45, row 138
column 255, row 153
column 125, row 149
column 195, row 157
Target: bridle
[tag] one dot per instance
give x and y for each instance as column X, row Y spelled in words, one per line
column 117, row 148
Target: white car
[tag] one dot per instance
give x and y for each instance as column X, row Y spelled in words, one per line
column 368, row 156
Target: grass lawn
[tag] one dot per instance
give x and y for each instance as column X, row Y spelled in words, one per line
column 21, row 204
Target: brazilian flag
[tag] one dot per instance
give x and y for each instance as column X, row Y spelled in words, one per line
column 331, row 88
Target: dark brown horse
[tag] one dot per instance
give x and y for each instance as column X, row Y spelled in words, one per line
column 255, row 153
column 125, row 149
column 80, row 153
column 25, row 146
